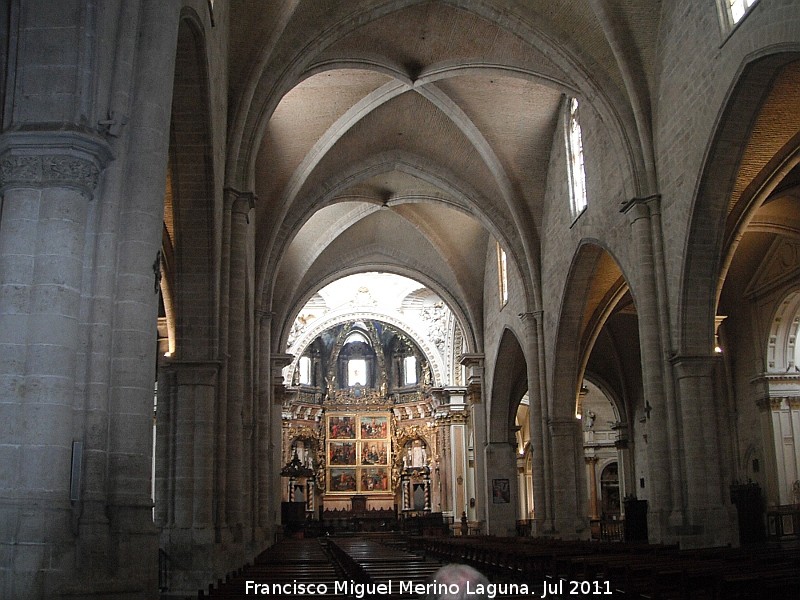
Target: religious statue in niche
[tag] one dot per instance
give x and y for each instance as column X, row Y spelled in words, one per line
column 416, row 455
column 304, row 453
column 426, row 374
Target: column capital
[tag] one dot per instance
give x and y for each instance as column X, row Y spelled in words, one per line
column 695, row 365
column 52, row 159
column 279, row 361
column 264, row 315
column 532, row 318
column 561, row 427
column 239, row 201
column 641, row 207
column 190, row 372
column 472, row 360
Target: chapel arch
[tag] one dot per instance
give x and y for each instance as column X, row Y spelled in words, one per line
column 751, row 295
column 598, row 310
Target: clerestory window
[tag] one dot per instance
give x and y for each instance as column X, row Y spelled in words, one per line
column 738, row 9
column 575, row 163
column 502, row 275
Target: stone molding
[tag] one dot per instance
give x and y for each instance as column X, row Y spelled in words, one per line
column 52, row 158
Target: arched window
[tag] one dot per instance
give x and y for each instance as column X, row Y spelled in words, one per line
column 356, row 372
column 410, row 370
column 304, row 366
column 575, row 163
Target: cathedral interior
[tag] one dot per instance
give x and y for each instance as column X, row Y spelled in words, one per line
column 280, row 270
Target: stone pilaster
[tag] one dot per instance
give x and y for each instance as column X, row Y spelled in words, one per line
column 277, row 391
column 451, row 476
column 780, row 418
column 473, row 364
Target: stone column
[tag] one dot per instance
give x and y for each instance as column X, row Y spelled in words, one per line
column 708, row 507
column 239, row 204
column 538, row 425
column 135, row 184
column 47, row 180
column 664, row 493
column 569, row 487
column 196, row 382
column 626, row 466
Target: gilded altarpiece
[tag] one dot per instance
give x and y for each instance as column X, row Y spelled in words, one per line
column 358, row 452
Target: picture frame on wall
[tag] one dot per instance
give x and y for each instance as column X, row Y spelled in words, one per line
column 501, row 491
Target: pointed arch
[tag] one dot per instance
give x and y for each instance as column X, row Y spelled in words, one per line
column 509, row 384
column 732, row 184
column 595, row 287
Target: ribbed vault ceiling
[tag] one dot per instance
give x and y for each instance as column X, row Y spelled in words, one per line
column 405, row 135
